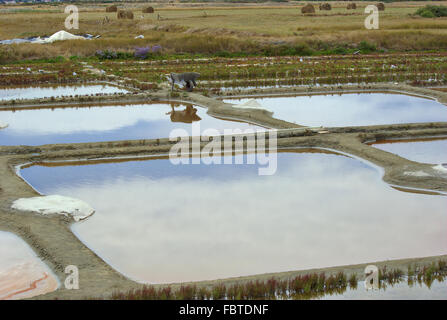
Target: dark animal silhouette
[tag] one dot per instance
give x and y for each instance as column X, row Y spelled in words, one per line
column 189, row 77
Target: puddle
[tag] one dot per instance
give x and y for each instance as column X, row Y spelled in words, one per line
column 106, row 123
column 401, row 290
column 420, row 150
column 22, row 273
column 360, row 109
column 157, row 222
column 13, row 93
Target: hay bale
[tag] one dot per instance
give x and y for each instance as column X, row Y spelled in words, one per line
column 381, row 6
column 129, row 14
column 325, row 6
column 112, row 9
column 148, row 10
column 352, row 6
column 124, row 14
column 308, row 8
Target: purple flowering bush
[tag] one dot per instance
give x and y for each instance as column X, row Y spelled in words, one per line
column 146, row 52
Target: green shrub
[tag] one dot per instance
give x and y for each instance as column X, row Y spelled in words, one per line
column 340, row 50
column 432, row 11
column 366, row 47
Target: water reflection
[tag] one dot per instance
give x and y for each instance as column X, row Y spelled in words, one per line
column 22, row 274
column 188, row 115
column 105, row 123
column 352, row 109
column 420, row 150
column 436, row 290
column 22, row 92
column 157, row 222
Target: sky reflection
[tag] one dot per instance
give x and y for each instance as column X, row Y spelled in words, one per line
column 13, row 251
column 428, row 151
column 358, row 109
column 157, row 222
column 106, row 123
column 401, row 290
column 13, row 93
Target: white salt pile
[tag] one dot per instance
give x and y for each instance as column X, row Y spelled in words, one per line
column 250, row 104
column 55, row 204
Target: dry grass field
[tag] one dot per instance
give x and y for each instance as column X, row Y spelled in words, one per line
column 210, row 28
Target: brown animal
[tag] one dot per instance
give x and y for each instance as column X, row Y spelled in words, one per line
column 308, row 8
column 148, row 10
column 189, row 115
column 381, row 6
column 325, row 6
column 112, row 9
column 124, row 14
column 352, row 6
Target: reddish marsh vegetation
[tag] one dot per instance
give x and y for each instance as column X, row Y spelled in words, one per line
column 307, row 286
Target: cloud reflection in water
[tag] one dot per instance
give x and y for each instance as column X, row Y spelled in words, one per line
column 162, row 223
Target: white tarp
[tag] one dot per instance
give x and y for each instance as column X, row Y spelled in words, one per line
column 58, row 36
column 55, row 204
column 3, row 125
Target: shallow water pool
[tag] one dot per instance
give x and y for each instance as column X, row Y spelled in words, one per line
column 106, row 123
column 356, row 109
column 437, row 290
column 420, row 150
column 158, row 222
column 22, row 273
column 22, row 92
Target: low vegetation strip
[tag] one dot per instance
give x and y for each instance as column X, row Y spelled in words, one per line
column 309, row 286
